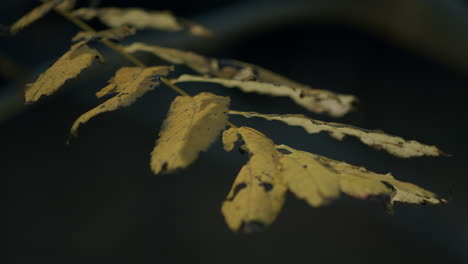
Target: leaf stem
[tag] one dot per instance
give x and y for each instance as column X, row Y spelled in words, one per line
column 231, row 124
column 173, row 87
column 117, row 48
column 76, row 21
column 122, row 52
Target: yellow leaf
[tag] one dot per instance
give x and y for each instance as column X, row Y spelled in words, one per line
column 78, row 58
column 309, row 179
column 34, row 15
column 66, row 5
column 392, row 144
column 251, row 78
column 195, row 61
column 317, row 101
column 192, row 124
column 123, row 78
column 230, row 137
column 129, row 83
column 309, row 175
column 258, row 192
column 115, row 34
column 142, row 19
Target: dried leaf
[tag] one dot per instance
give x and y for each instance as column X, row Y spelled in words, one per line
column 192, row 124
column 315, row 100
column 251, row 78
column 78, row 58
column 115, row 34
column 230, row 137
column 129, row 83
column 66, row 5
column 121, row 80
column 310, row 176
column 319, row 101
column 196, row 62
column 142, row 19
column 34, row 15
column 258, row 192
column 392, row 144
column 202, row 64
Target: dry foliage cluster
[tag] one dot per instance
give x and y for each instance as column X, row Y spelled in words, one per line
column 194, row 122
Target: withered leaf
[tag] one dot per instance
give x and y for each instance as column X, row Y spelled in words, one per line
column 230, row 137
column 392, row 144
column 115, row 34
column 78, row 58
column 314, row 100
column 129, row 83
column 195, row 61
column 121, row 80
column 66, row 5
column 192, row 124
column 258, row 191
column 142, row 19
column 34, row 15
column 317, row 101
column 318, row 179
column 251, row 78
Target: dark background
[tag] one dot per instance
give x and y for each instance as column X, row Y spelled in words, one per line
column 96, row 201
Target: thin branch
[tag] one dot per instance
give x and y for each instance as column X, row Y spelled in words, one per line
column 117, row 48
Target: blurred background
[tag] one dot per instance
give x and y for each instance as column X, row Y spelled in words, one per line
column 96, row 201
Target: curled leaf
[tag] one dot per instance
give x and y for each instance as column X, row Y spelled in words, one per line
column 115, row 34
column 142, row 19
column 251, row 78
column 129, row 83
column 315, row 100
column 192, row 124
column 392, row 144
column 258, row 193
column 66, row 5
column 195, row 61
column 34, row 15
column 230, row 137
column 318, row 101
column 78, row 58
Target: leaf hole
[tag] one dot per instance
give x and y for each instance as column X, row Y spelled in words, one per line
column 241, row 150
column 266, row 186
column 164, row 167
